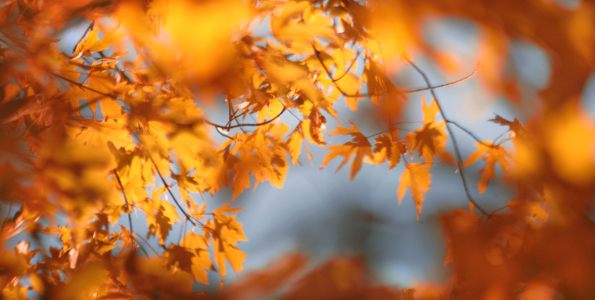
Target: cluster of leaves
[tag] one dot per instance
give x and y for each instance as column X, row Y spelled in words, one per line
column 99, row 137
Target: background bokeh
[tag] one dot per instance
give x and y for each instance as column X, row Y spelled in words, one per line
column 322, row 214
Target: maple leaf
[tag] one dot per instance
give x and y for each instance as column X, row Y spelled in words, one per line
column 431, row 139
column 515, row 126
column 201, row 260
column 416, row 177
column 528, row 208
column 314, row 126
column 360, row 147
column 226, row 232
column 294, row 144
column 161, row 227
column 96, row 133
column 286, row 27
column 387, row 148
column 92, row 44
column 179, row 257
column 492, row 154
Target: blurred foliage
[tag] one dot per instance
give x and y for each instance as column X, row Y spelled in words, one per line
column 101, row 136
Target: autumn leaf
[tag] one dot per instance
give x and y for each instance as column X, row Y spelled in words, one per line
column 528, row 208
column 161, row 227
column 387, row 148
column 294, row 143
column 200, row 260
column 360, row 147
column 431, row 139
column 286, row 27
column 416, row 177
column 492, row 154
column 93, row 44
column 225, row 232
column 515, row 126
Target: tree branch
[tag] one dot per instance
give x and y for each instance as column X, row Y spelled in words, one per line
column 444, row 85
column 358, row 95
column 244, row 125
column 469, row 133
column 454, row 141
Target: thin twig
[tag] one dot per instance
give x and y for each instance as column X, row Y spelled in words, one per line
column 349, row 68
column 285, row 107
column 138, row 236
column 469, row 133
column 85, row 87
column 120, row 71
column 373, row 135
column 170, row 192
column 243, row 125
column 499, row 209
column 444, row 85
column 494, row 142
column 454, row 141
column 143, row 248
column 358, row 95
column 330, row 76
column 125, row 201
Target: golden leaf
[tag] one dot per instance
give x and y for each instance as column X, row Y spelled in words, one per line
column 360, row 147
column 416, row 177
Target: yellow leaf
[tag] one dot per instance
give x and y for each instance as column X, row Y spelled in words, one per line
column 96, row 133
column 92, row 44
column 278, row 67
column 360, row 147
column 295, row 144
column 416, row 177
column 226, row 232
column 201, row 261
column 429, row 111
column 386, row 147
column 349, row 84
column 492, row 155
column 288, row 27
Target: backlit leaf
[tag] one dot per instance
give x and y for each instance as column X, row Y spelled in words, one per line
column 416, row 177
column 359, row 147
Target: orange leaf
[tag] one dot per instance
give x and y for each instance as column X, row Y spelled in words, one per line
column 295, row 144
column 93, row 44
column 226, row 232
column 416, row 177
column 492, row 155
column 360, row 147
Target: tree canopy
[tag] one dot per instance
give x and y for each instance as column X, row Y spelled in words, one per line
column 121, row 127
